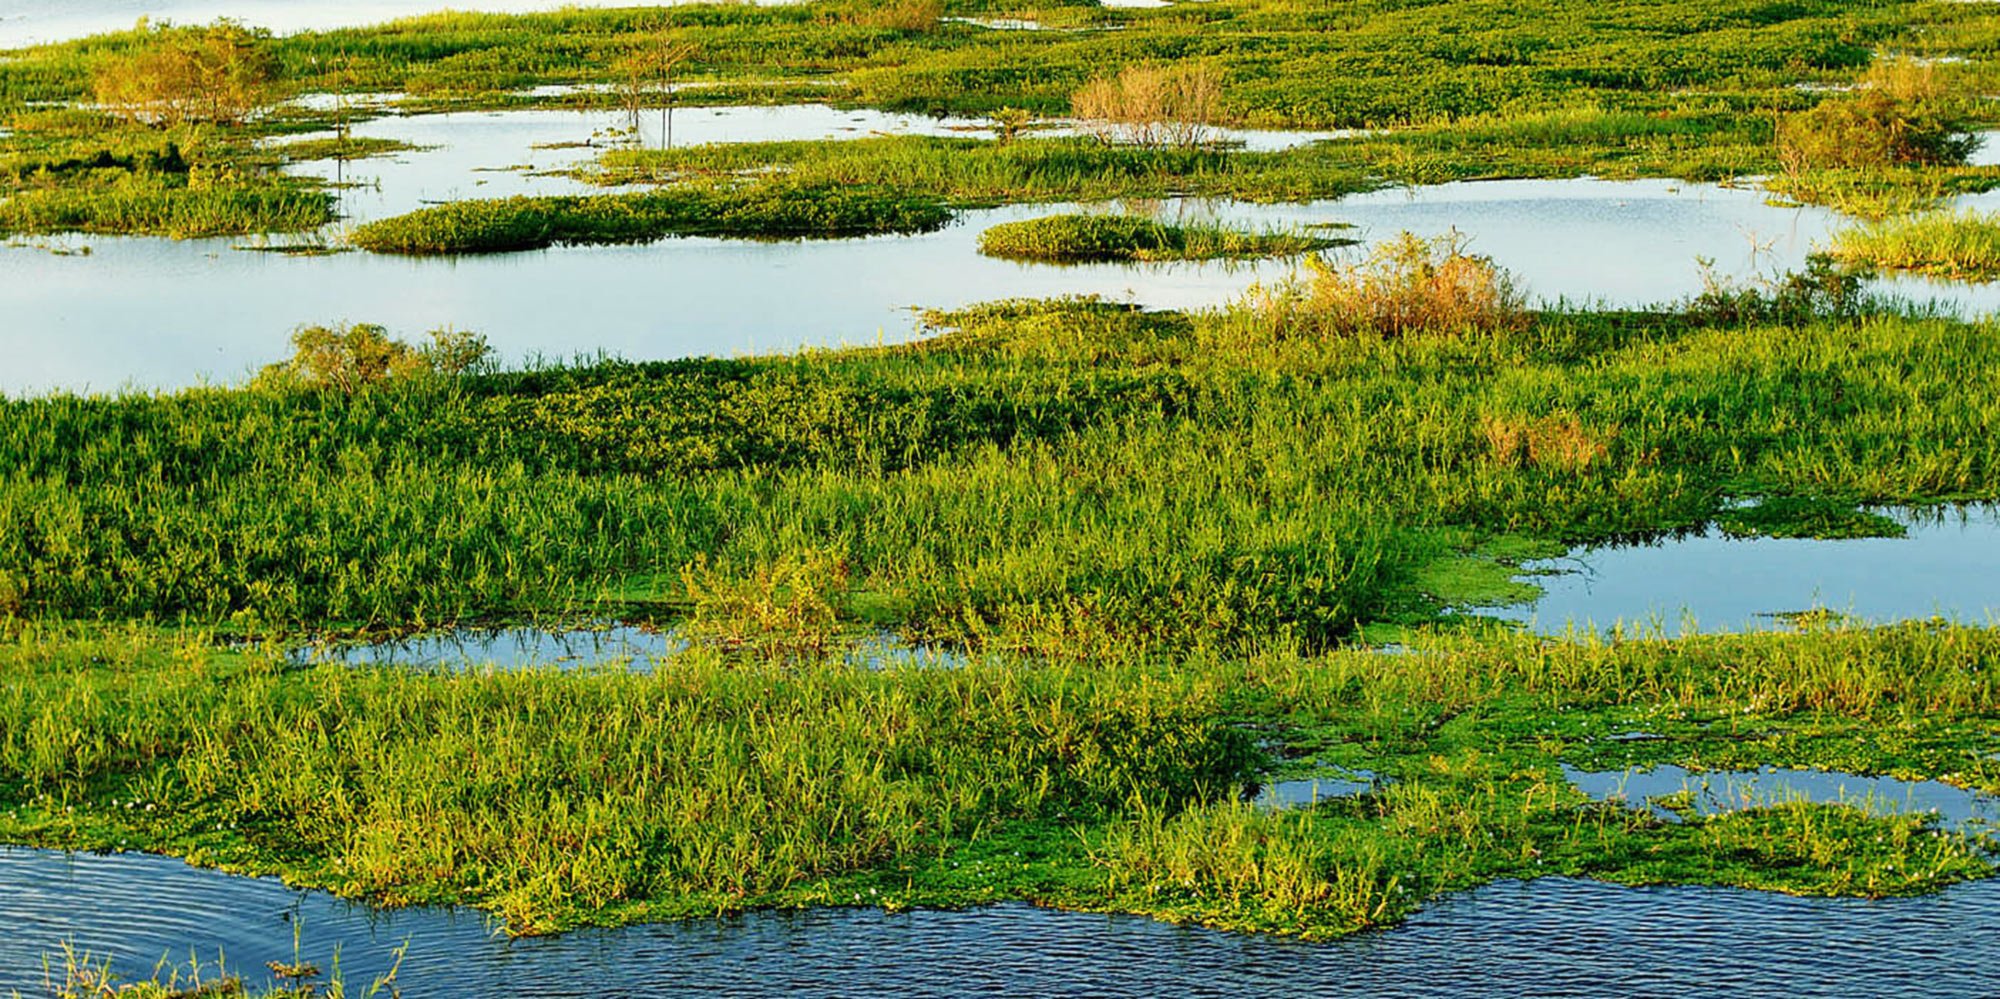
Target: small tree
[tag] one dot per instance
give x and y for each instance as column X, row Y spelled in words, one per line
column 1152, row 105
column 218, row 74
column 647, row 76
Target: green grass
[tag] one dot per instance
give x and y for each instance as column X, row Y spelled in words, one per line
column 78, row 171
column 1084, row 238
column 1554, row 89
column 1070, row 477
column 1960, row 246
column 1284, row 62
column 762, row 212
column 562, row 799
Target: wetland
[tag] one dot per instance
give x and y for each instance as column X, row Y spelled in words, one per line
column 1195, row 497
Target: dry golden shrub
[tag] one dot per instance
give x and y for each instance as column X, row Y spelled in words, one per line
column 1152, row 105
column 1408, row 284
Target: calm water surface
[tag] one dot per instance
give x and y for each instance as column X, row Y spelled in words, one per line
column 161, row 314
column 1945, row 567
column 1552, row 937
column 1716, row 792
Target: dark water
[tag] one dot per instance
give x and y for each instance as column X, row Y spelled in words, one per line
column 1945, row 567
column 1718, row 791
column 1551, row 937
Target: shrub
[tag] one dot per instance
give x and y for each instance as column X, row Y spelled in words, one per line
column 1901, row 114
column 1407, row 285
column 1152, row 105
column 217, row 74
column 1821, row 291
column 348, row 359
column 789, row 605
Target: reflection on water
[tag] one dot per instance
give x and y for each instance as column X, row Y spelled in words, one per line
column 200, row 309
column 1547, row 937
column 614, row 646
column 1718, row 792
column 498, row 154
column 507, row 648
column 1712, row 582
column 1309, row 791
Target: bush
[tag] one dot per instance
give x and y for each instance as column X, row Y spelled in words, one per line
column 1153, row 106
column 1821, row 291
column 1901, row 114
column 348, row 359
column 216, row 74
column 1407, row 285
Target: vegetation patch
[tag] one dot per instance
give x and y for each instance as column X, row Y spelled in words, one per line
column 765, row 212
column 1089, row 238
column 721, row 784
column 1954, row 245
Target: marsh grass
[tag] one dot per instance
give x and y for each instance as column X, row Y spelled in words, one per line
column 1086, row 238
column 721, row 783
column 1952, row 245
column 762, row 212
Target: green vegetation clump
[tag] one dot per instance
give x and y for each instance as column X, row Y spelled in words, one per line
column 1902, row 113
column 85, row 171
column 1955, row 245
column 349, row 359
column 1083, row 238
column 762, row 212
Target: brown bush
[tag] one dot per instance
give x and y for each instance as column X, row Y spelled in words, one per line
column 1152, row 105
column 1407, row 285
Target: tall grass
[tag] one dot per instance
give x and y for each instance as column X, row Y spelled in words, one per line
column 1073, row 478
column 1956, row 245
